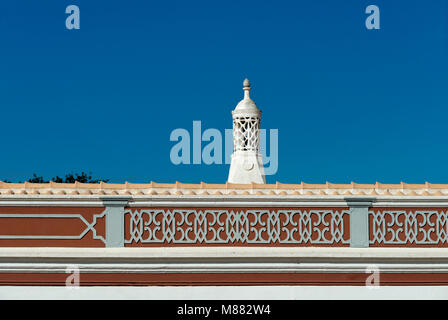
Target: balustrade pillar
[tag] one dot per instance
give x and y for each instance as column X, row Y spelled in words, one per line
column 115, row 221
column 359, row 221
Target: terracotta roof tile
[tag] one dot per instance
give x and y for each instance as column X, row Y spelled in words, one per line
column 227, row 189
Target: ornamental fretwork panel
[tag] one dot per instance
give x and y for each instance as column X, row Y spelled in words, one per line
column 408, row 227
column 246, row 133
column 236, row 227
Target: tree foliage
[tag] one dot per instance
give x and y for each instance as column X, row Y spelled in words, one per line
column 68, row 178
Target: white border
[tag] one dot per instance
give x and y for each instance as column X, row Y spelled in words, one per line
column 226, row 293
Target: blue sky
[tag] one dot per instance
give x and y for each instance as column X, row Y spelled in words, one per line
column 350, row 104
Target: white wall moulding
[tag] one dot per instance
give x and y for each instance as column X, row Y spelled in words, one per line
column 238, row 254
column 224, row 266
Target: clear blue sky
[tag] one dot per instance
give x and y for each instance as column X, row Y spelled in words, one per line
column 350, row 104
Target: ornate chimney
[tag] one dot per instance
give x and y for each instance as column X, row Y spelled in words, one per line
column 247, row 162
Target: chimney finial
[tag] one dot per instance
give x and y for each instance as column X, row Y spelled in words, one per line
column 246, row 88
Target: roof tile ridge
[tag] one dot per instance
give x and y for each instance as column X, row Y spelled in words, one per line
column 413, row 186
column 362, row 185
column 105, row 185
column 162, row 185
column 189, row 185
column 313, row 186
column 436, row 186
column 238, row 185
column 32, row 185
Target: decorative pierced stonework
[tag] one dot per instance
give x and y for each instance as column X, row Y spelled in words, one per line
column 246, row 135
column 408, row 227
column 236, row 227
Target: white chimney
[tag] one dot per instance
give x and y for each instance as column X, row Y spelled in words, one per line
column 247, row 162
